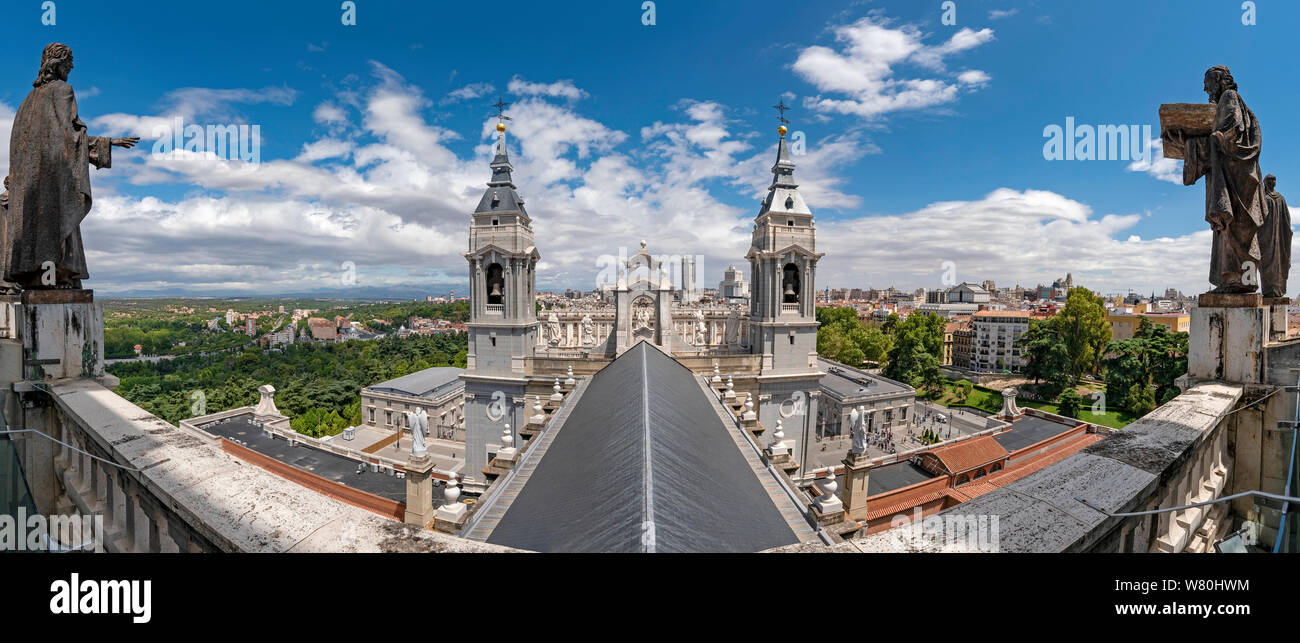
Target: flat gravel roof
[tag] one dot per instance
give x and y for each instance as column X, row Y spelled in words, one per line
column 325, row 464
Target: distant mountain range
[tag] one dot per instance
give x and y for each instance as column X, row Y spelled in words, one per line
column 355, row 292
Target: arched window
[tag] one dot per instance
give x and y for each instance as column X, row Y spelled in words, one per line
column 790, row 284
column 496, row 285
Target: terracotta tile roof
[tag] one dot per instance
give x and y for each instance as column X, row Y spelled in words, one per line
column 968, row 454
column 1007, row 476
column 1002, row 313
column 904, row 502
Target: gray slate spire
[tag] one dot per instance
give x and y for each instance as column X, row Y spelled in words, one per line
column 501, row 196
column 783, row 195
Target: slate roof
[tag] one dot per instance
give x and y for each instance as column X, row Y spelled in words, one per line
column 643, row 463
column 430, row 382
column 1028, row 429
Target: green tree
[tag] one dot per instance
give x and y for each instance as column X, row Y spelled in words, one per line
column 1069, row 403
column 1084, row 329
column 1140, row 399
column 1047, row 358
column 918, row 345
column 964, row 388
column 1147, row 363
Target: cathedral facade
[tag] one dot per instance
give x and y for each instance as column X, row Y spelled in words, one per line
column 515, row 352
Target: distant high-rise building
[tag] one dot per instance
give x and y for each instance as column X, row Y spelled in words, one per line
column 690, row 291
column 733, row 284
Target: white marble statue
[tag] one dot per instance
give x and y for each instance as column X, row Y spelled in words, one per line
column 858, row 420
column 553, row 329
column 588, row 331
column 418, row 421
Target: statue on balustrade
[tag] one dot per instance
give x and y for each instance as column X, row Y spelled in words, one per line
column 1275, row 241
column 50, row 154
column 1221, row 142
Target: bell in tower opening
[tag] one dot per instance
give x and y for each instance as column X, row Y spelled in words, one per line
column 496, row 284
column 790, row 284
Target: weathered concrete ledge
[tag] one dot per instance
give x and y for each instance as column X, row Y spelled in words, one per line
column 226, row 502
column 1125, row 472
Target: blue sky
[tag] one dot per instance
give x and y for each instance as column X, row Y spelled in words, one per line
column 924, row 140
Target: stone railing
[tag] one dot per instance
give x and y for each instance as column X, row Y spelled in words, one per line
column 162, row 488
column 1176, row 455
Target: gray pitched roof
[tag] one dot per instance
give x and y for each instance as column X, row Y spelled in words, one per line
column 428, row 382
column 643, row 463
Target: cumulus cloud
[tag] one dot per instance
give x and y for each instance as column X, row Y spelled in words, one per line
column 1014, row 237
column 1158, row 166
column 382, row 190
column 557, row 89
column 467, row 92
column 862, row 77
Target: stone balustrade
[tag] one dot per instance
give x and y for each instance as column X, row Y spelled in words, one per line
column 162, row 488
column 1174, row 456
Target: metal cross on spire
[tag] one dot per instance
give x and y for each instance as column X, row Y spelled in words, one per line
column 501, row 106
column 781, row 108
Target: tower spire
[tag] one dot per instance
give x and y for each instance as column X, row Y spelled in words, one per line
column 501, row 167
column 783, row 194
column 501, row 196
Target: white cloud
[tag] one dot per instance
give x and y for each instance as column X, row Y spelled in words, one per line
column 998, row 14
column 468, row 92
column 1158, row 166
column 392, row 198
column 862, row 77
column 1014, row 237
column 326, row 148
column 557, row 89
column 973, row 77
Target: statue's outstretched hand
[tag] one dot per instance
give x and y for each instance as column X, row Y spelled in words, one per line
column 127, row 142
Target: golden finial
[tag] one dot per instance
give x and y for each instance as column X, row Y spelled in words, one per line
column 501, row 127
column 781, row 130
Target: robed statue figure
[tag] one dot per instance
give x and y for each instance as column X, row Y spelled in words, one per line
column 1275, row 241
column 1228, row 158
column 50, row 155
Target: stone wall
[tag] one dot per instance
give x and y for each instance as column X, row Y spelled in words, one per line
column 163, row 488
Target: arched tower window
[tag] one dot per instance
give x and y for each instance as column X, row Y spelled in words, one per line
column 790, row 284
column 496, row 285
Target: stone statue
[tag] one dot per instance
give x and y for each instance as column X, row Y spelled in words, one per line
column 418, row 421
column 1275, row 241
column 553, row 329
column 50, row 155
column 1228, row 158
column 858, row 431
column 699, row 328
column 588, row 331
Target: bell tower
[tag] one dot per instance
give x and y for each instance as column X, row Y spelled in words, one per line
column 502, row 272
column 783, row 264
column 782, row 313
column 503, row 315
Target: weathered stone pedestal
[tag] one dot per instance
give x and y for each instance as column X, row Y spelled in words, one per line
column 503, row 462
column 856, row 466
column 62, row 332
column 1228, row 334
column 419, row 491
column 450, row 518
